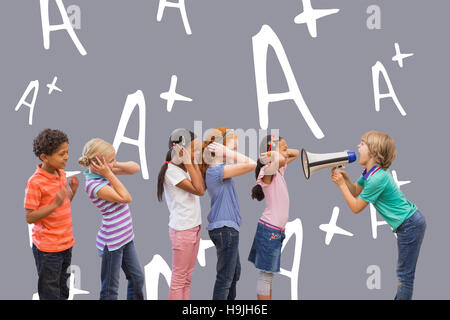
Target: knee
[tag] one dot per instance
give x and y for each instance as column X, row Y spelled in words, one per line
column 264, row 284
column 140, row 278
column 137, row 279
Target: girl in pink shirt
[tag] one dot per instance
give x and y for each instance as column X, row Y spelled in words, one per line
column 266, row 249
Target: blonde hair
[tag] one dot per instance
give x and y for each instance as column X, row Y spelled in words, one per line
column 95, row 147
column 381, row 146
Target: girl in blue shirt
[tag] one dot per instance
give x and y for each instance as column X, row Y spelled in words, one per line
column 221, row 162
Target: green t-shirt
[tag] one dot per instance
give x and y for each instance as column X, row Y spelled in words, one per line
column 381, row 190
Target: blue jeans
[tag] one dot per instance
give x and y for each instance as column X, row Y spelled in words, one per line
column 52, row 273
column 228, row 267
column 112, row 261
column 409, row 239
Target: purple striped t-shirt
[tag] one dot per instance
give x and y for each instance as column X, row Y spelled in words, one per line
column 117, row 225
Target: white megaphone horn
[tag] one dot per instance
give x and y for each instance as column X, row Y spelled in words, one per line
column 313, row 162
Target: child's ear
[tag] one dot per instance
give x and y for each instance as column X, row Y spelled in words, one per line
column 43, row 157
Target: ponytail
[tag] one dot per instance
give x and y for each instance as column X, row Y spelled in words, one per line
column 162, row 174
column 265, row 146
column 268, row 143
column 257, row 191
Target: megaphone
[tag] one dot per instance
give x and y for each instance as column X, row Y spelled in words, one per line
column 313, row 162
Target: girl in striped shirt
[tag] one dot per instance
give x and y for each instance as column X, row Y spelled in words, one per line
column 115, row 237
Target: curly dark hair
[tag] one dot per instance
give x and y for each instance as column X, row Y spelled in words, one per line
column 48, row 141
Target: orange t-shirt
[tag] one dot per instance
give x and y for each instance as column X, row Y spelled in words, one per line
column 54, row 232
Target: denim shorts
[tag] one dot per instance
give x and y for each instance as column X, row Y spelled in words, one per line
column 266, row 249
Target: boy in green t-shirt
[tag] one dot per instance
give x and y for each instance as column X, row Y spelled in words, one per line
column 377, row 152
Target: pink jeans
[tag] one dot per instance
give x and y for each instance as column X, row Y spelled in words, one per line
column 185, row 245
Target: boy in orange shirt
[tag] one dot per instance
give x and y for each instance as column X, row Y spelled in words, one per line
column 47, row 205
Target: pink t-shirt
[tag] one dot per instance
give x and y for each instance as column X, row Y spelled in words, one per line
column 277, row 198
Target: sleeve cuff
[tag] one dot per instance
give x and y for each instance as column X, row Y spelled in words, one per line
column 97, row 188
column 365, row 199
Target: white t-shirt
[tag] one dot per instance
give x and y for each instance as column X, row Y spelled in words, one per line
column 184, row 207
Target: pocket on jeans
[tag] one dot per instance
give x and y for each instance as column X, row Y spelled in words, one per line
column 406, row 238
column 177, row 241
column 405, row 227
column 406, row 230
column 216, row 238
column 233, row 238
column 189, row 236
column 275, row 236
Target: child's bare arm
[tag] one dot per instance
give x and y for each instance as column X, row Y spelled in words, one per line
column 242, row 164
column 116, row 193
column 234, row 170
column 197, row 185
column 73, row 186
column 292, row 155
column 278, row 160
column 33, row 216
column 197, row 179
column 129, row 167
column 355, row 204
column 355, row 189
column 275, row 160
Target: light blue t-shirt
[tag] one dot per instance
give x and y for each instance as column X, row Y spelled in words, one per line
column 381, row 190
column 224, row 201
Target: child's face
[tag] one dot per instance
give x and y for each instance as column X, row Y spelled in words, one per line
column 232, row 141
column 111, row 160
column 283, row 148
column 364, row 153
column 58, row 159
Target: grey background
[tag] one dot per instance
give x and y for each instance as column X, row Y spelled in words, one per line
column 129, row 50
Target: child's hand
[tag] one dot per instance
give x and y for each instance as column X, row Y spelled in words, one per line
column 265, row 157
column 337, row 177
column 219, row 150
column 182, row 155
column 61, row 196
column 275, row 159
column 101, row 167
column 73, row 183
column 344, row 174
